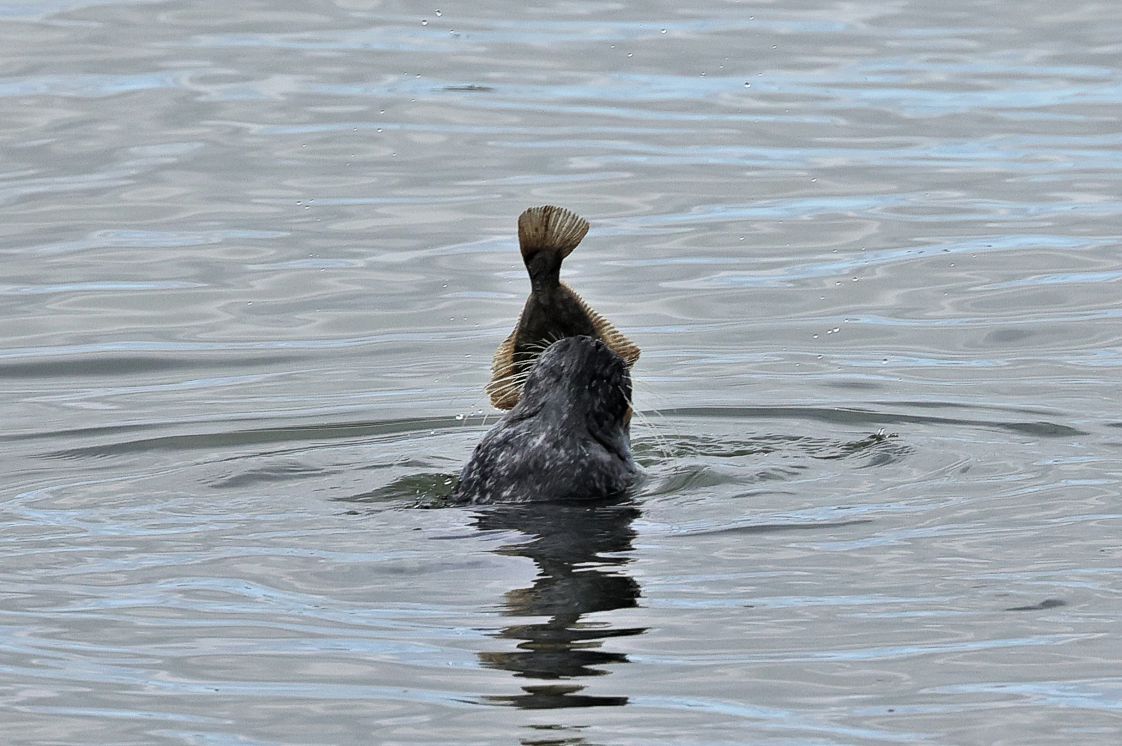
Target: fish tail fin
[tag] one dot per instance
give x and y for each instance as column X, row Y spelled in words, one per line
column 550, row 229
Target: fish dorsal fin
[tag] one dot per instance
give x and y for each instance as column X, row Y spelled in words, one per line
column 550, row 228
column 614, row 338
column 503, row 389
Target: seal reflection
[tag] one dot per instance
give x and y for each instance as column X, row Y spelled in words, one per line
column 580, row 550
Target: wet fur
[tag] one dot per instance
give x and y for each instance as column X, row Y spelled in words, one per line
column 568, row 437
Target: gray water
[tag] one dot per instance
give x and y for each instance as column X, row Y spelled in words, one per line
column 257, row 255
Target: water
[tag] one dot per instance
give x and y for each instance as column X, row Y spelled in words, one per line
column 257, row 257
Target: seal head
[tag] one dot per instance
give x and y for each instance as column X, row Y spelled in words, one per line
column 567, row 438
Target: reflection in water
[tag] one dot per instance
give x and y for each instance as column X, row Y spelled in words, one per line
column 578, row 549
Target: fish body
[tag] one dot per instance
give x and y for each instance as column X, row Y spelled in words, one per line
column 553, row 311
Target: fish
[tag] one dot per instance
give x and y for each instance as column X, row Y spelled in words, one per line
column 553, row 311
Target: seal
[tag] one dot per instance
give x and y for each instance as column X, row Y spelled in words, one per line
column 553, row 311
column 567, row 438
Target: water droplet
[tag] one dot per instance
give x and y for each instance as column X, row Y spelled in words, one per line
column 438, row 12
column 662, row 31
column 379, row 129
column 747, row 84
column 424, row 22
column 459, row 417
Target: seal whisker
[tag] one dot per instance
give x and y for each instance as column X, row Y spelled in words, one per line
column 664, row 426
column 662, row 444
column 538, row 345
column 509, row 383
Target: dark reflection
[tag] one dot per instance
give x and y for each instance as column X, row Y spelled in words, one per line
column 579, row 550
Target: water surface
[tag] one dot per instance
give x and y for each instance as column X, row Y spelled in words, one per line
column 258, row 255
